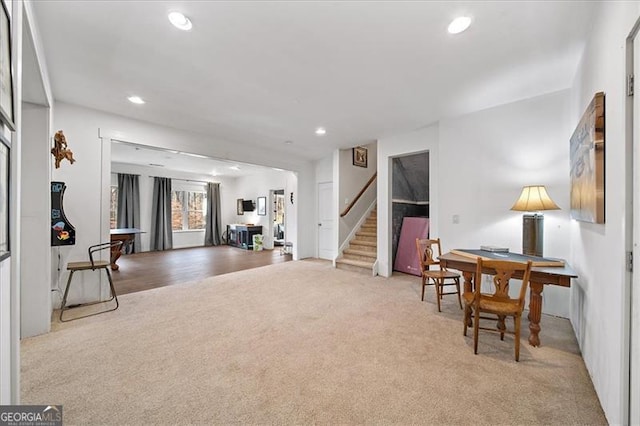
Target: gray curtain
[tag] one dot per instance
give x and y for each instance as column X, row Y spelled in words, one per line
column 213, row 222
column 129, row 207
column 161, row 236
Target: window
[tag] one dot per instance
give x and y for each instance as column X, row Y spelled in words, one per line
column 113, row 213
column 188, row 210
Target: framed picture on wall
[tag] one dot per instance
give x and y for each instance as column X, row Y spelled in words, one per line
column 262, row 206
column 239, row 207
column 6, row 79
column 587, row 146
column 360, row 156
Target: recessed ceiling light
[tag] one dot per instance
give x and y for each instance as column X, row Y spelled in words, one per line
column 277, row 169
column 459, row 24
column 235, row 167
column 288, row 142
column 136, row 100
column 321, row 131
column 180, row 21
column 214, row 173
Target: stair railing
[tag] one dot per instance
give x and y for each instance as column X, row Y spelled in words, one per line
column 357, row 197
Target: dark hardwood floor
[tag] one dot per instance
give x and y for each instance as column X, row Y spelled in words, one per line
column 144, row 271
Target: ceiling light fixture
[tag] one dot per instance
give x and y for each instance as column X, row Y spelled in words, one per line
column 288, row 142
column 180, row 21
column 459, row 24
column 235, row 167
column 189, row 154
column 136, row 100
column 320, row 131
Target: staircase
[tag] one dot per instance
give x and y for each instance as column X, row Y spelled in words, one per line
column 362, row 252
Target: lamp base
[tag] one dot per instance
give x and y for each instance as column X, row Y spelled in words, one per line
column 532, row 231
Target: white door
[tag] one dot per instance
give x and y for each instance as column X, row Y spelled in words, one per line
column 326, row 213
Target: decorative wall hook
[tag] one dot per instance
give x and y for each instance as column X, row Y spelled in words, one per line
column 291, row 198
column 60, row 150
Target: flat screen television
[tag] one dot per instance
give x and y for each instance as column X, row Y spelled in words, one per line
column 248, row 206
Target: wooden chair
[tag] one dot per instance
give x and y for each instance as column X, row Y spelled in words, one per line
column 439, row 277
column 94, row 265
column 499, row 303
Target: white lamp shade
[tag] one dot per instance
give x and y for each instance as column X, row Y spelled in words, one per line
column 534, row 198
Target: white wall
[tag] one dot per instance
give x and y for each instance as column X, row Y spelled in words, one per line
column 86, row 199
column 324, row 169
column 181, row 239
column 260, row 185
column 425, row 139
column 478, row 165
column 505, row 148
column 599, row 296
column 82, row 203
column 10, row 268
column 35, row 306
column 352, row 180
column 5, row 332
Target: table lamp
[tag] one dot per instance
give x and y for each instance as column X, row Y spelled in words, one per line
column 533, row 199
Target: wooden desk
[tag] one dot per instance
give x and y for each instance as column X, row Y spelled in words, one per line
column 127, row 236
column 540, row 275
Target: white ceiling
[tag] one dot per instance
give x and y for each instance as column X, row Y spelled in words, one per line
column 262, row 73
column 128, row 153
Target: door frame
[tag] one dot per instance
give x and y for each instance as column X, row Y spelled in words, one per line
column 631, row 388
column 271, row 215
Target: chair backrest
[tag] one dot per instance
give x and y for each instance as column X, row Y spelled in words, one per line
column 428, row 252
column 102, row 246
column 503, row 271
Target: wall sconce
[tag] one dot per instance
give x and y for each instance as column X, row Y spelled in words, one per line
column 533, row 199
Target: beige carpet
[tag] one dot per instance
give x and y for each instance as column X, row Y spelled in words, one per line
column 297, row 343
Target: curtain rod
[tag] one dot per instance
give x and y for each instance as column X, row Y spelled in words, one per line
column 184, row 180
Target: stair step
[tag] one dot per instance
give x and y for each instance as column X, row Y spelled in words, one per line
column 368, row 227
column 366, row 234
column 372, row 250
column 360, row 263
column 363, row 243
column 355, row 266
column 363, row 255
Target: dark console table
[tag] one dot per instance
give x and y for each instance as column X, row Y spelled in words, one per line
column 242, row 235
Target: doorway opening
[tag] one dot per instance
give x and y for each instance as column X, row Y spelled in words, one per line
column 409, row 209
column 278, row 218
